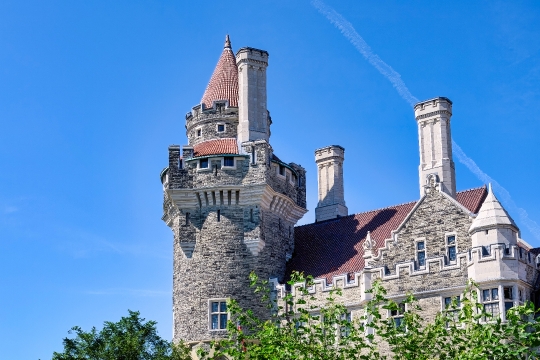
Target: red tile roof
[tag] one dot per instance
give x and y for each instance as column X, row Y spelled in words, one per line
column 216, row 147
column 223, row 84
column 334, row 247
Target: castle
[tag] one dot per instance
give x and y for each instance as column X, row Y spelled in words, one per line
column 232, row 205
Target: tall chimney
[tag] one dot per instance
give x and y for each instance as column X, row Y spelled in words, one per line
column 435, row 139
column 330, row 175
column 253, row 121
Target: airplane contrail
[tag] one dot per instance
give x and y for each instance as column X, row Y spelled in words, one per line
column 394, row 77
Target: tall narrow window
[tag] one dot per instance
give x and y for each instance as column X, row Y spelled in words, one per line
column 346, row 325
column 187, row 218
column 508, row 298
column 253, row 160
column 219, row 215
column 421, row 254
column 451, row 251
column 251, row 215
column 490, row 299
column 218, row 315
column 198, row 132
column 281, row 170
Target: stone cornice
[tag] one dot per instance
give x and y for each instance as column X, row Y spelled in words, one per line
column 434, row 113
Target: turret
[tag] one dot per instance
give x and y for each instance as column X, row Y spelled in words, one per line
column 330, row 175
column 435, row 139
column 254, row 121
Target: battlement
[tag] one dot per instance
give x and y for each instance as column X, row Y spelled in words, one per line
column 433, row 107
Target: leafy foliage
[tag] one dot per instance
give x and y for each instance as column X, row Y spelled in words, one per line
column 131, row 338
column 298, row 329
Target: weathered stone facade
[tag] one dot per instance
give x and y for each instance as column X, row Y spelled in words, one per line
column 232, row 205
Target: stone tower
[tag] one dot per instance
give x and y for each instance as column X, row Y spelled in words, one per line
column 230, row 202
column 330, row 178
column 433, row 118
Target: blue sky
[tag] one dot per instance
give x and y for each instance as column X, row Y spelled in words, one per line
column 92, row 94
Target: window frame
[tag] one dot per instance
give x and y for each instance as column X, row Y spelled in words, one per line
column 448, row 246
column 207, row 164
column 400, row 314
column 233, row 166
column 221, row 124
column 218, row 313
column 493, row 303
column 198, row 132
column 417, row 251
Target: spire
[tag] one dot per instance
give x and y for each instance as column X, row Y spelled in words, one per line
column 223, row 84
column 491, row 215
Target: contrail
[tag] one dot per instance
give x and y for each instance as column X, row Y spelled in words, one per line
column 386, row 70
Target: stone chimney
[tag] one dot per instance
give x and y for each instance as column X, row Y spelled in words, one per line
column 253, row 122
column 435, row 139
column 330, row 175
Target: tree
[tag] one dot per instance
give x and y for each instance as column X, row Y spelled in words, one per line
column 131, row 338
column 299, row 330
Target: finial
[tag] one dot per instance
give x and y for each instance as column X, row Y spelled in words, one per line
column 368, row 243
column 227, row 42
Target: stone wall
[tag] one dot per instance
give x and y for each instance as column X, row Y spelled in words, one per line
column 207, row 122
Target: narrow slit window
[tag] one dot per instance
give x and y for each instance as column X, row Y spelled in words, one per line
column 229, row 196
column 253, row 160
column 421, row 254
column 451, row 248
column 199, row 132
column 237, row 197
column 251, row 215
column 187, row 218
column 219, row 215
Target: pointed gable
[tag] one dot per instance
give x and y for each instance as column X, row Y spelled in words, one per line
column 335, row 247
column 223, row 84
column 491, row 215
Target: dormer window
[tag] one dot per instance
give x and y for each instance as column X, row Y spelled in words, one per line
column 203, row 163
column 221, row 128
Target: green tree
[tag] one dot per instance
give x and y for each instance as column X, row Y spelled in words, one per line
column 299, row 330
column 131, row 338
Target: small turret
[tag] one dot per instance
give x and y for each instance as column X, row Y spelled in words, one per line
column 493, row 224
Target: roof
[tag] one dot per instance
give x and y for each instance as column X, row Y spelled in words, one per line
column 223, row 84
column 216, row 147
column 491, row 214
column 334, row 247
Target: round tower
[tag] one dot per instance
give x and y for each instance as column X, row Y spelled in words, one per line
column 231, row 204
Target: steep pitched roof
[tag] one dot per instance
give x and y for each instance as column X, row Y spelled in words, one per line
column 334, row 247
column 216, row 147
column 491, row 214
column 223, row 84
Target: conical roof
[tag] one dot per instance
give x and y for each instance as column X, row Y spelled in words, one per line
column 491, row 214
column 223, row 84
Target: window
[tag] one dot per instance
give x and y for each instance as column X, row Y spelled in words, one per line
column 251, row 215
column 203, row 163
column 253, row 160
column 508, row 298
column 221, row 127
column 397, row 314
column 345, row 330
column 199, row 132
column 490, row 299
column 219, row 215
column 228, row 161
column 486, row 250
column 187, row 218
column 218, row 315
column 421, row 254
column 281, row 170
column 451, row 251
column 451, row 306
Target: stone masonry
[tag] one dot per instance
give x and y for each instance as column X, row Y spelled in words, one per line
column 233, row 205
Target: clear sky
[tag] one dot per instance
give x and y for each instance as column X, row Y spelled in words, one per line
column 92, row 93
